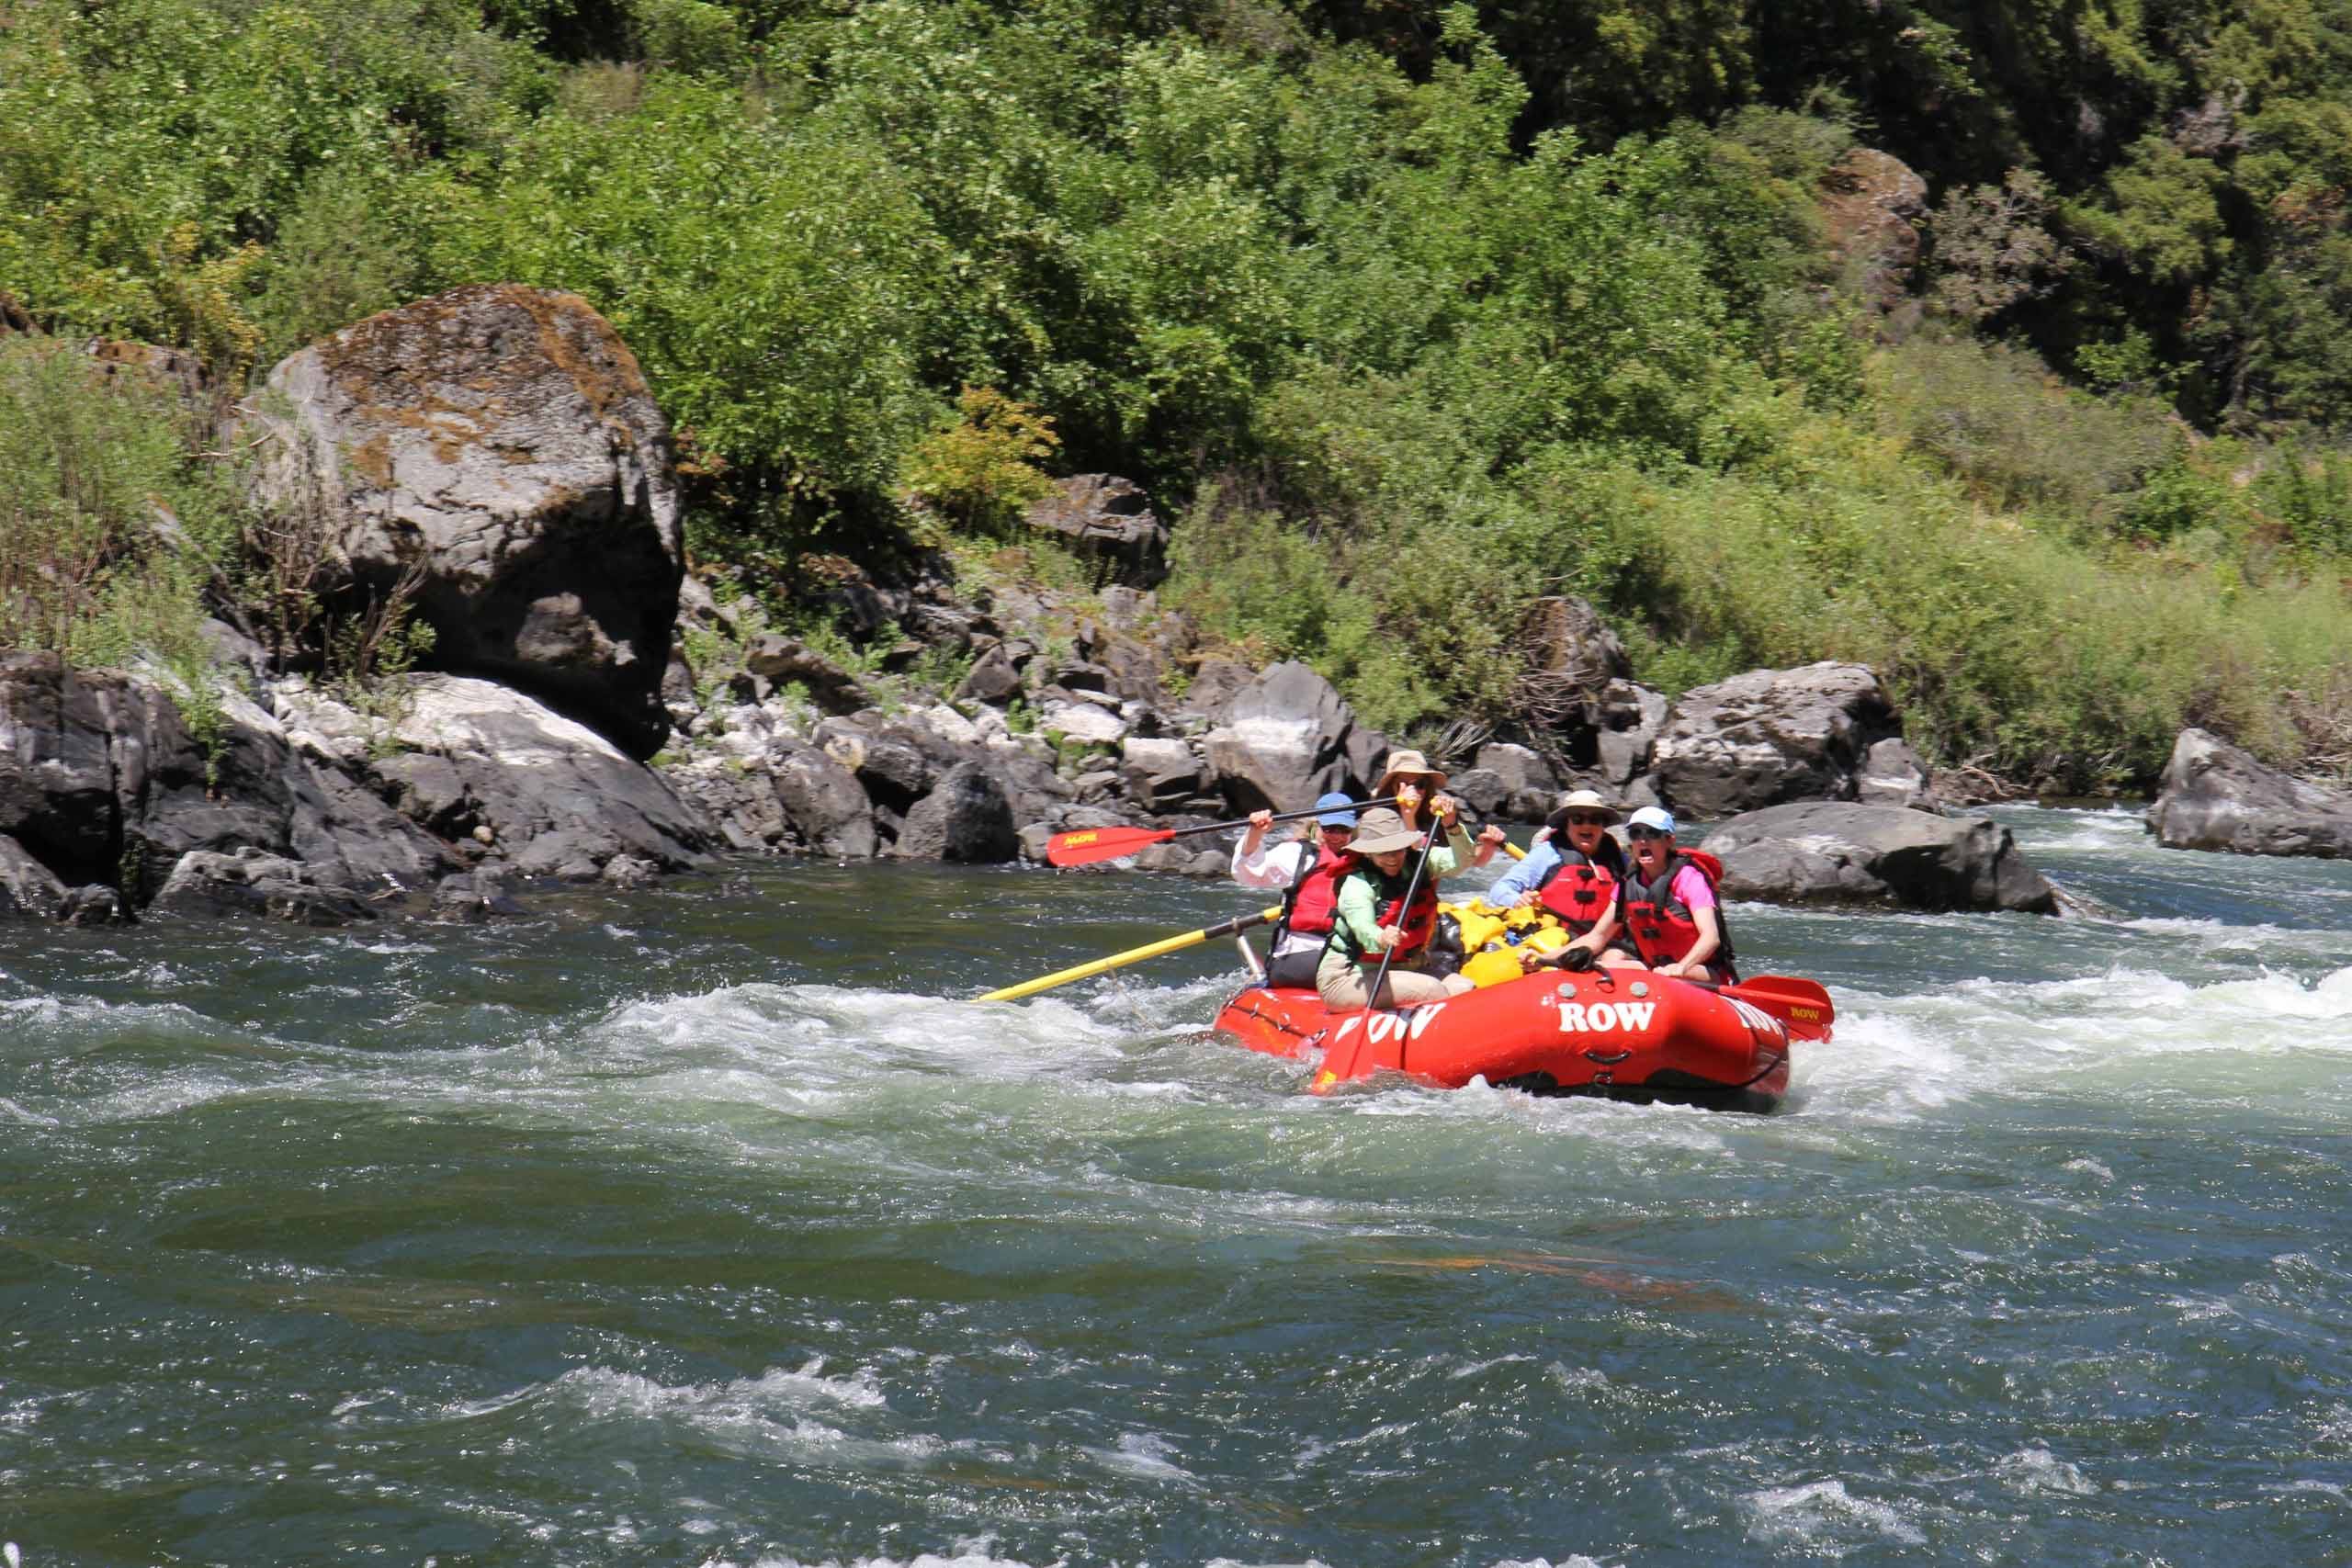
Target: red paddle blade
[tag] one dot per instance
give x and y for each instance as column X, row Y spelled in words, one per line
column 1087, row 845
column 1802, row 1005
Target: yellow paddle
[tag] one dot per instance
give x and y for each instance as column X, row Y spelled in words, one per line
column 1135, row 955
column 1155, row 950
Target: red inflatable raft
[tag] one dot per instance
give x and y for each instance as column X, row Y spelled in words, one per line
column 1624, row 1033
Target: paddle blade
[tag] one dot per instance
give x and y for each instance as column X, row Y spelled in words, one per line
column 1802, row 1005
column 1085, row 846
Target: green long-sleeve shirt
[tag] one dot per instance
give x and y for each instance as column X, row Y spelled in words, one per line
column 1355, row 919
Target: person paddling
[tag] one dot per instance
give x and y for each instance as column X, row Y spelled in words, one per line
column 1372, row 917
column 1672, row 915
column 1419, row 792
column 1309, row 872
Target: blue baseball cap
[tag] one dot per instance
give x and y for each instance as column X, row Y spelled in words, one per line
column 1652, row 816
column 1338, row 810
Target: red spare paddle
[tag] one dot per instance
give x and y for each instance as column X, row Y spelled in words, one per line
column 1085, row 846
column 1801, row 1005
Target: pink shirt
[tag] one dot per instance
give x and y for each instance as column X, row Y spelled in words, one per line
column 1690, row 889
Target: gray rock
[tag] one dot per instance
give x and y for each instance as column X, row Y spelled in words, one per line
column 476, row 896
column 1287, row 738
column 1771, row 736
column 1566, row 637
column 1892, row 774
column 2216, row 796
column 1101, row 786
column 966, row 819
column 1529, row 782
column 502, row 443
column 1082, row 722
column 1108, row 519
column 628, row 871
column 992, row 678
column 1483, row 789
column 95, row 905
column 1131, row 670
column 101, row 777
column 474, row 755
column 28, row 890
column 775, row 661
column 250, row 882
column 823, row 803
column 1836, row 852
column 1628, row 719
column 1158, row 773
column 1215, row 686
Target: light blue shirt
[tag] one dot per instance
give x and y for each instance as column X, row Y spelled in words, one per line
column 1522, row 876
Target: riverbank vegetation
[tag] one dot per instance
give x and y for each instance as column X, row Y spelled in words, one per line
column 1408, row 314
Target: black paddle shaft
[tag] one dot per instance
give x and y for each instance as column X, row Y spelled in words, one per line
column 1278, row 816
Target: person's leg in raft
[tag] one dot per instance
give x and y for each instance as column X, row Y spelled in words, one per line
column 1337, row 981
column 1409, row 988
column 1343, row 989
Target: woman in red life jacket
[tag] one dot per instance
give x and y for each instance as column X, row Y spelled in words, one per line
column 1307, row 872
column 1374, row 917
column 1574, row 877
column 1673, row 920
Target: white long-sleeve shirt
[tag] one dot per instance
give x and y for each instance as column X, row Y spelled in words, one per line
column 1277, row 866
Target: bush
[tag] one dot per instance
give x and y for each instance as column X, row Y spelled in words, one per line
column 983, row 469
column 109, row 532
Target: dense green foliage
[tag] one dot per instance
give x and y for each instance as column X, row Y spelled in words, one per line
column 1412, row 314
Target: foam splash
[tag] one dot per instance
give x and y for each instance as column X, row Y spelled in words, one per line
column 977, row 1552
column 1142, row 1456
column 1826, row 1519
column 2272, row 1035
column 2037, row 1470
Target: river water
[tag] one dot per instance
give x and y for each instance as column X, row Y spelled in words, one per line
column 709, row 1225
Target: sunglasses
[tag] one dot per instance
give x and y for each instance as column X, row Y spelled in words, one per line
column 1585, row 819
column 1639, row 833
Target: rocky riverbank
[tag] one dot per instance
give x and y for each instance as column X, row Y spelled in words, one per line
column 596, row 711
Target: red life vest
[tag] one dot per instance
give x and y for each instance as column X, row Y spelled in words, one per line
column 1417, row 922
column 1577, row 889
column 1315, row 897
column 1660, row 928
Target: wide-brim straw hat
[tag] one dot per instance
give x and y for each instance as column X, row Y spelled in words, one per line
column 1407, row 764
column 1380, row 831
column 1580, row 800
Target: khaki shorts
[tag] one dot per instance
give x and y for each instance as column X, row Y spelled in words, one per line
column 1344, row 990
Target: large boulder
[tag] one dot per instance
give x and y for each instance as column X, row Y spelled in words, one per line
column 2216, row 796
column 966, row 819
column 1529, row 785
column 1771, row 736
column 1834, row 852
column 1872, row 207
column 497, row 447
column 104, row 780
column 1286, row 738
column 473, row 760
column 1565, row 636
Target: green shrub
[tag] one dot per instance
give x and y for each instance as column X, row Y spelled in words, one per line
column 982, row 468
column 109, row 533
